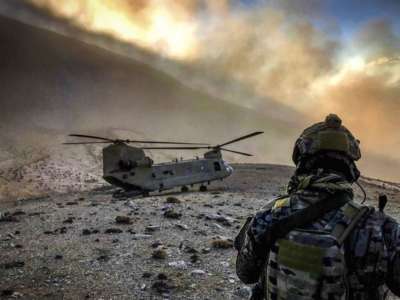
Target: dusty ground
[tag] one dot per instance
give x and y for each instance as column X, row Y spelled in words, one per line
column 57, row 247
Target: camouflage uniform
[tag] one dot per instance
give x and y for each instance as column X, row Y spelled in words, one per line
column 371, row 251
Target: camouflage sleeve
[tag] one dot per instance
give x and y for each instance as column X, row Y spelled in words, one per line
column 392, row 241
column 252, row 254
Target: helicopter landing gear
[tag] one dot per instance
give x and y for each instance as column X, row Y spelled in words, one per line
column 184, row 189
column 203, row 188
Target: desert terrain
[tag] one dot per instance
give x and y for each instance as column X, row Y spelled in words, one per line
column 91, row 245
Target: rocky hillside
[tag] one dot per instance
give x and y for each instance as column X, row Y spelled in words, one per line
column 89, row 245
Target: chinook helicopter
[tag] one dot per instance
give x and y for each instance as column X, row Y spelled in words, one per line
column 129, row 168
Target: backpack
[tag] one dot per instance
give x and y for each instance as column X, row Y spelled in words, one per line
column 310, row 264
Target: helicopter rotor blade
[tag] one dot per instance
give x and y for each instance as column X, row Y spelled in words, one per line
column 92, row 137
column 175, row 148
column 133, row 141
column 160, row 142
column 240, row 138
column 84, row 143
column 237, row 152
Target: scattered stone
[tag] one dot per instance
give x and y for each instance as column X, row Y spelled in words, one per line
column 180, row 264
column 113, row 230
column 114, row 241
column 189, row 249
column 239, row 204
column 19, row 246
column 182, row 226
column 198, row 273
column 156, row 244
column 12, row 265
column 123, row 220
column 147, row 274
column 172, row 214
column 71, row 203
column 159, row 254
column 205, row 250
column 103, row 257
column 172, row 200
column 162, row 286
column 69, row 220
column 61, row 230
column 8, row 218
column 86, row 231
column 58, row 256
column 132, row 205
column 81, row 199
column 48, row 232
column 152, row 228
column 224, row 220
column 222, row 243
column 18, row 213
column 162, row 276
column 194, row 258
column 17, row 232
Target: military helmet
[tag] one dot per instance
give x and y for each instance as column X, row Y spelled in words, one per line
column 327, row 136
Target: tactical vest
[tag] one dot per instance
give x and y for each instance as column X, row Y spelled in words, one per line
column 310, row 264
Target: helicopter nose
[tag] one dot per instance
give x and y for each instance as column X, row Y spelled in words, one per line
column 229, row 169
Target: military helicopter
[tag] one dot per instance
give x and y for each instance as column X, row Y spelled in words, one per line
column 129, row 168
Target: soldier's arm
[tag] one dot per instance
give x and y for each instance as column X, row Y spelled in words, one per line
column 392, row 241
column 252, row 255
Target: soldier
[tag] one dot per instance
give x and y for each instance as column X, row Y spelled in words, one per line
column 316, row 242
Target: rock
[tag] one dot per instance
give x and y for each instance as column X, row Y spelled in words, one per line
column 156, row 244
column 181, row 226
column 159, row 254
column 180, row 264
column 113, row 230
column 8, row 218
column 58, row 256
column 123, row 220
column 18, row 213
column 147, row 274
column 222, row 243
column 132, row 205
column 205, row 250
column 194, row 258
column 138, row 236
column 172, row 214
column 152, row 228
column 103, row 257
column 71, row 203
column 189, row 249
column 86, row 232
column 198, row 273
column 69, row 220
column 224, row 220
column 162, row 286
column 172, row 200
column 162, row 276
column 12, row 265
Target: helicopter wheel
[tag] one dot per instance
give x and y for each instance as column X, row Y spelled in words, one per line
column 203, row 188
column 184, row 189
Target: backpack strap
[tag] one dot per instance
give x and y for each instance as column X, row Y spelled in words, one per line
column 353, row 213
column 300, row 218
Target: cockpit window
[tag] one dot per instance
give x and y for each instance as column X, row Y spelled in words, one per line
column 217, row 166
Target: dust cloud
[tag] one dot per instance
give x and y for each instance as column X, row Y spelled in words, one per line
column 284, row 58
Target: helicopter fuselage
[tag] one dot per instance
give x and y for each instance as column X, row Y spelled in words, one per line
column 129, row 168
